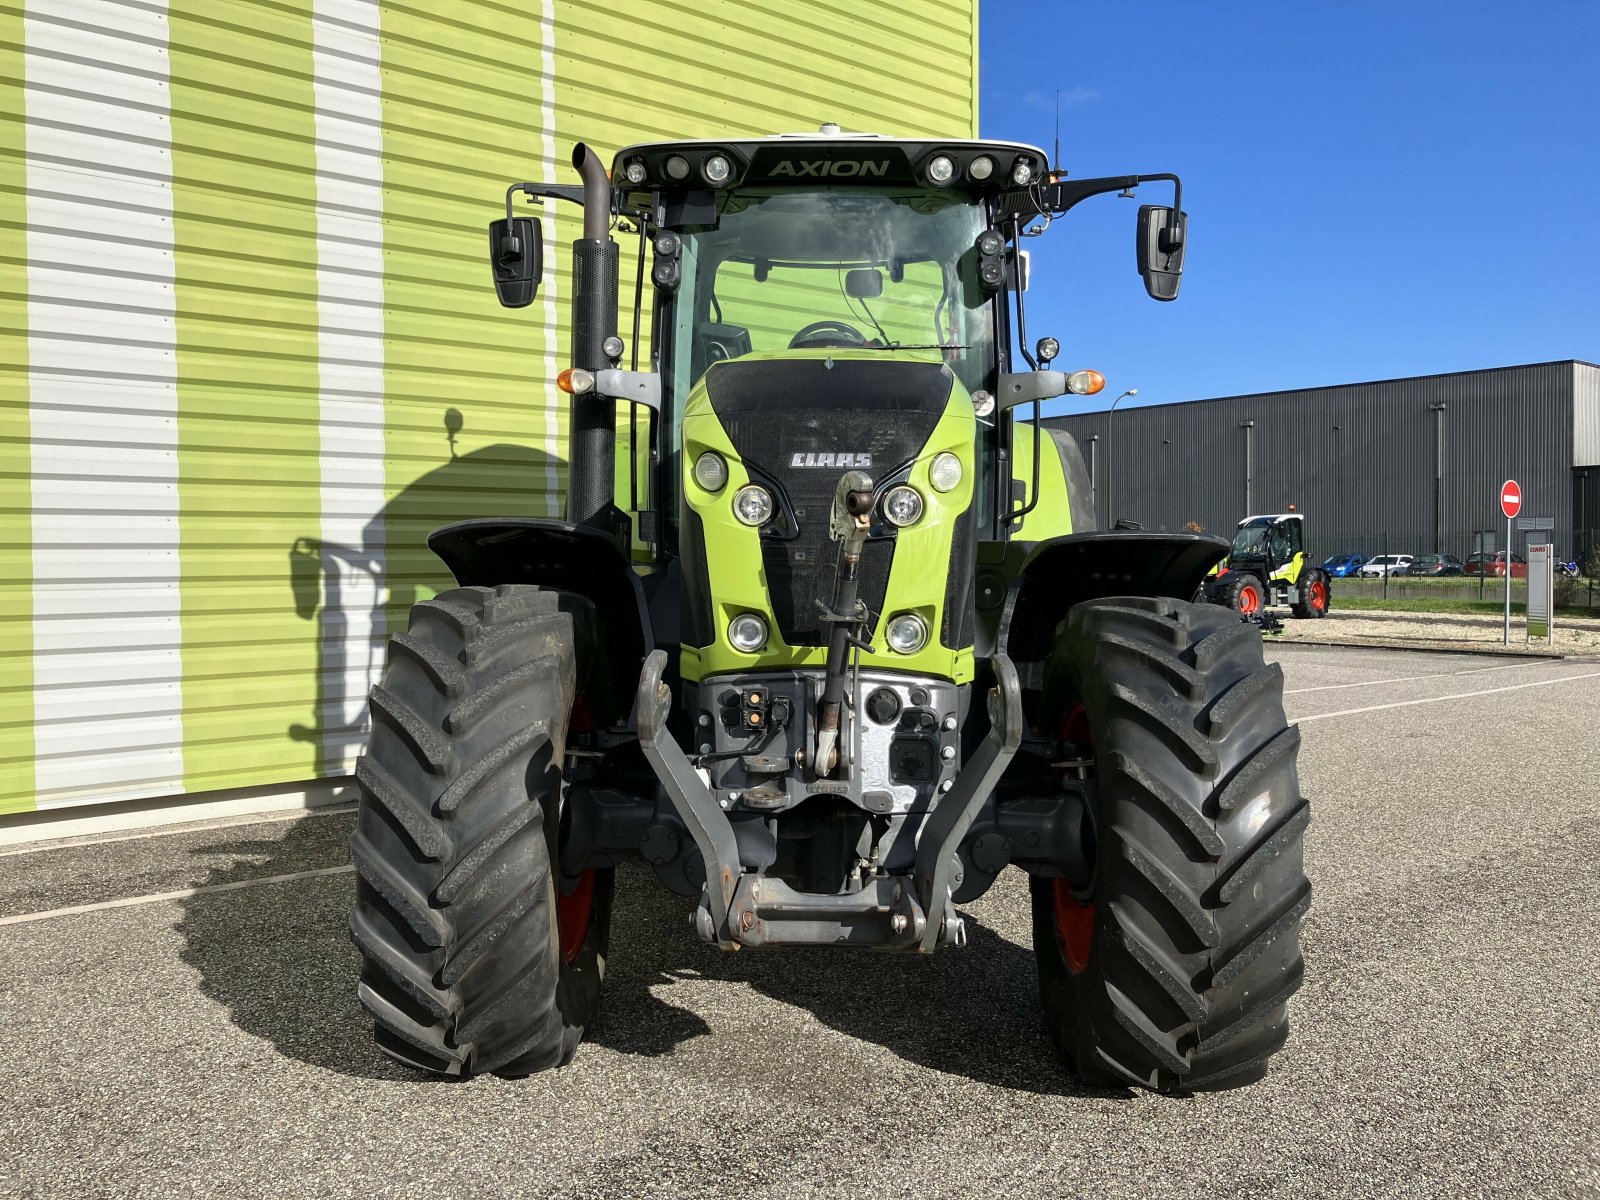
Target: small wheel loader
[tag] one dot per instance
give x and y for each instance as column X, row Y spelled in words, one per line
column 853, row 648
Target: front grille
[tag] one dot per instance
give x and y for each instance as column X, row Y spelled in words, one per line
column 774, row 411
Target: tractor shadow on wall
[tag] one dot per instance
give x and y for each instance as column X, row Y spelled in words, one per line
column 357, row 593
column 278, row 960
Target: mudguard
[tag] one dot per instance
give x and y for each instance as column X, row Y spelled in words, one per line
column 565, row 557
column 1050, row 577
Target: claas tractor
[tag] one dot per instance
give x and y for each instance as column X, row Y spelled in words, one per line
column 1267, row 564
column 850, row 647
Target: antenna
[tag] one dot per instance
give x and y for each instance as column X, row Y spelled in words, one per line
column 1056, row 162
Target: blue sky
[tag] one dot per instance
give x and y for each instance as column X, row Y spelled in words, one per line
column 1374, row 189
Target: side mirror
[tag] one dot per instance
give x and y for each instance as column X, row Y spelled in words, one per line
column 516, row 258
column 1162, row 239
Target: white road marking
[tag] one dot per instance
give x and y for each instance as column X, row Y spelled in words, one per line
column 1513, row 687
column 258, row 819
column 1333, row 687
column 180, row 894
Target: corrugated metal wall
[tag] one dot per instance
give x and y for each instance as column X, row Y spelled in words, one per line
column 248, row 352
column 1358, row 460
column 1585, row 415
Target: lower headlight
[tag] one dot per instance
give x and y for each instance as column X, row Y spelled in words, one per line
column 906, row 633
column 944, row 472
column 902, row 505
column 752, row 504
column 747, row 632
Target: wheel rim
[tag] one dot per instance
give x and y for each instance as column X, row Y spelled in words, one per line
column 1319, row 595
column 572, row 916
column 1249, row 601
column 1074, row 918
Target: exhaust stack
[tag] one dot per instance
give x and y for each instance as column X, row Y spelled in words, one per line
column 591, row 420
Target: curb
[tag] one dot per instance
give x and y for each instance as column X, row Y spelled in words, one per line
column 1429, row 648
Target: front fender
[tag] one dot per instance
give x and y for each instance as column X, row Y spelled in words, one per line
column 564, row 557
column 1054, row 575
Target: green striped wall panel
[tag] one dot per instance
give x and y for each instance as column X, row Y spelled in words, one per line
column 225, row 449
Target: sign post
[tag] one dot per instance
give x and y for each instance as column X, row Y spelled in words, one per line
column 1541, row 593
column 1511, row 505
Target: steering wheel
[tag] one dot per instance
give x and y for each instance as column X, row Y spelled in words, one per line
column 827, row 333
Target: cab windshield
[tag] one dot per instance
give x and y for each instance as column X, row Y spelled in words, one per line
column 849, row 267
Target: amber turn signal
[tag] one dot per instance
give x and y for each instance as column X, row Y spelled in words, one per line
column 1085, row 383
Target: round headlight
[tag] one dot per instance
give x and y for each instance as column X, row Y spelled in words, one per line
column 902, row 505
column 990, row 243
column 752, row 504
column 711, row 471
column 1022, row 173
column 944, row 472
column 716, row 169
column 747, row 632
column 941, row 169
column 678, row 167
column 906, row 633
column 667, row 243
column 982, row 167
column 634, row 171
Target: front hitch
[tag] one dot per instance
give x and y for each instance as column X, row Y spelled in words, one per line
column 848, row 521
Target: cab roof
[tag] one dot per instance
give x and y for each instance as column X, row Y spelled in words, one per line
column 830, row 156
column 1271, row 519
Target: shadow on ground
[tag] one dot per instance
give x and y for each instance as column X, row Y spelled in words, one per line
column 278, row 959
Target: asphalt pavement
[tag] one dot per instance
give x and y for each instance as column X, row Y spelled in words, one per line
column 179, row 1015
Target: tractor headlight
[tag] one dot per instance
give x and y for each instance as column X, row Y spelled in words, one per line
column 981, row 167
column 634, row 171
column 1022, row 173
column 902, row 506
column 941, row 169
column 906, row 633
column 716, row 169
column 711, row 471
column 677, row 167
column 944, row 472
column 752, row 504
column 747, row 632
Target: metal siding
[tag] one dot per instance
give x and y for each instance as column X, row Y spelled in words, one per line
column 107, row 654
column 287, row 201
column 1585, row 415
column 1373, row 473
column 16, row 534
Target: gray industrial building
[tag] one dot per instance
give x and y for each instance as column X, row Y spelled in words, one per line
column 1420, row 460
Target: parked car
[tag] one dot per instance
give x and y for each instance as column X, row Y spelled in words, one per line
column 1436, row 564
column 1495, row 565
column 1385, row 564
column 1341, row 565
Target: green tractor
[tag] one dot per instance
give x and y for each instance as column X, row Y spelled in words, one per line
column 853, row 649
column 1267, row 564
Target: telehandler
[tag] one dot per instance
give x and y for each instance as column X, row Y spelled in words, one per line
column 1267, row 564
column 853, row 648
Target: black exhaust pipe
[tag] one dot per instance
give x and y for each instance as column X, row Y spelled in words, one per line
column 592, row 421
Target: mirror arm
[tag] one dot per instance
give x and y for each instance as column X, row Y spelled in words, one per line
column 1060, row 197
column 1022, row 320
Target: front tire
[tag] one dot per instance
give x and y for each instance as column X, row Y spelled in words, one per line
column 1242, row 592
column 472, row 962
column 1169, row 963
column 1312, row 594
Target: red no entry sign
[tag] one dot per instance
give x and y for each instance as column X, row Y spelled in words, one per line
column 1510, row 498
